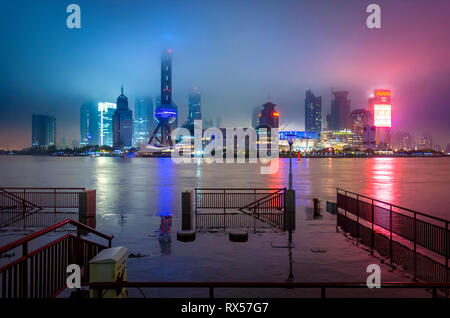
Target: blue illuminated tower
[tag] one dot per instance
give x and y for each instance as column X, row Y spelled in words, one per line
column 166, row 111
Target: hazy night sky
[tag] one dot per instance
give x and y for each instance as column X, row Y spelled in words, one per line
column 236, row 52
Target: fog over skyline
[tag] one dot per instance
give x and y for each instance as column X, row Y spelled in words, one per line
column 236, row 52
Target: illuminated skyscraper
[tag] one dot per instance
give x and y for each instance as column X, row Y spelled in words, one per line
column 105, row 126
column 195, row 112
column 166, row 113
column 339, row 118
column 269, row 116
column 43, row 131
column 402, row 140
column 89, row 124
column 255, row 116
column 360, row 118
column 122, row 123
column 143, row 120
column 425, row 141
column 380, row 107
column 313, row 113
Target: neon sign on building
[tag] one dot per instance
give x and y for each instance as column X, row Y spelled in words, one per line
column 382, row 115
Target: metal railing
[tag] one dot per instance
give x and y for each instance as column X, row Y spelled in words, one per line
column 14, row 208
column 42, row 272
column 212, row 286
column 37, row 207
column 419, row 242
column 240, row 207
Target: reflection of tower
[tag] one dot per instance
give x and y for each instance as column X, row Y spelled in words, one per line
column 166, row 111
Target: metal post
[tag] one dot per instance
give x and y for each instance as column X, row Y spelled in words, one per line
column 415, row 246
column 196, row 202
column 23, row 213
column 373, row 234
column 447, row 251
column 254, row 219
column 390, row 233
column 337, row 212
column 357, row 219
column 25, row 271
column 290, row 166
column 224, row 210
column 54, row 201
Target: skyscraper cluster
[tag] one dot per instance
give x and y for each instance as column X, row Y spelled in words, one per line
column 43, row 131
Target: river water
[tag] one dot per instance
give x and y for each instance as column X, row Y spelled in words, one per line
column 132, row 193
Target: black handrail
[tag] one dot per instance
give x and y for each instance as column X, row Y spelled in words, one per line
column 397, row 206
column 263, row 198
column 99, row 286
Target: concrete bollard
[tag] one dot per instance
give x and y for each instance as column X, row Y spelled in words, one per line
column 316, row 203
column 187, row 211
column 186, row 236
column 238, row 237
column 290, row 210
column 87, row 209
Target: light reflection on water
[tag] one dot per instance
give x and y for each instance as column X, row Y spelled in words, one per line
column 133, row 193
column 381, row 174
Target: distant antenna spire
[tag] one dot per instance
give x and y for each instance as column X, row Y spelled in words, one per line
column 269, row 98
column 121, row 90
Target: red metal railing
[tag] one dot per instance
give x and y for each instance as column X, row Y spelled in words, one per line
column 419, row 242
column 42, row 272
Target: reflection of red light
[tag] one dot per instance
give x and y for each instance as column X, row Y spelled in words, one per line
column 276, row 114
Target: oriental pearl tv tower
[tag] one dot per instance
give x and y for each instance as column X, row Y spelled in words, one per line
column 166, row 111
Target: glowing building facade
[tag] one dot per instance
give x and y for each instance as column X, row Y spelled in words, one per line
column 269, row 117
column 195, row 112
column 106, row 113
column 380, row 107
column 313, row 112
column 303, row 141
column 122, row 123
column 89, row 124
column 339, row 118
column 43, row 131
column 360, row 118
column 340, row 139
column 143, row 122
